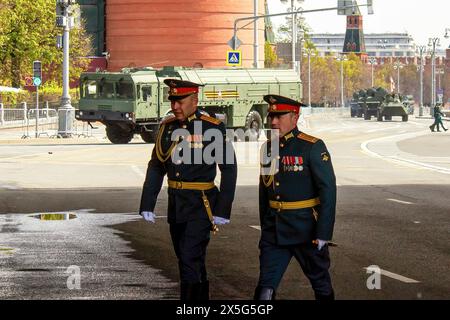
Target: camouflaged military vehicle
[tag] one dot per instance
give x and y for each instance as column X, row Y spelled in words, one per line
column 356, row 109
column 392, row 106
column 134, row 101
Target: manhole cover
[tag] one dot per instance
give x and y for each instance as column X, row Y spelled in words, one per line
column 54, row 216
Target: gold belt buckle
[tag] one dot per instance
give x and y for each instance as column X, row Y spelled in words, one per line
column 179, row 185
column 279, row 205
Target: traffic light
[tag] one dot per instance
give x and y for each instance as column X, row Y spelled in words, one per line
column 37, row 73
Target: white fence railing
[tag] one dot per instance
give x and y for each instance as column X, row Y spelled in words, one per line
column 42, row 122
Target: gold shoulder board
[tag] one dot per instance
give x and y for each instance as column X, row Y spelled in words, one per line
column 210, row 119
column 168, row 119
column 307, row 137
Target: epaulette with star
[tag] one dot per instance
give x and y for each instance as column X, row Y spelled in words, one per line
column 307, row 137
column 210, row 119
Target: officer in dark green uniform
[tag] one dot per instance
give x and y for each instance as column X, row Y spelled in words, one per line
column 437, row 119
column 196, row 206
column 297, row 203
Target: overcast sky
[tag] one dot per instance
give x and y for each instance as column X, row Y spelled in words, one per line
column 421, row 19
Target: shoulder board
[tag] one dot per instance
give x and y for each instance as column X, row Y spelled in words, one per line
column 169, row 119
column 210, row 119
column 307, row 137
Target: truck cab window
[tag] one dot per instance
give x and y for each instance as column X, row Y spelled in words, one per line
column 124, row 90
column 89, row 89
column 146, row 93
column 106, row 90
column 166, row 94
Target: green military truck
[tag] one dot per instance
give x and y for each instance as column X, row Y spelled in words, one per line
column 372, row 102
column 134, row 101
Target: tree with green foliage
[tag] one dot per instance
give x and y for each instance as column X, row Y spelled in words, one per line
column 27, row 33
column 270, row 57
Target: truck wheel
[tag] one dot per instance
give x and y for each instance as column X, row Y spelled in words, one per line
column 388, row 118
column 352, row 113
column 367, row 116
column 253, row 125
column 149, row 136
column 360, row 114
column 405, row 118
column 117, row 135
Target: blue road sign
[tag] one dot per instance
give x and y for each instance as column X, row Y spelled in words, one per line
column 234, row 58
column 37, row 81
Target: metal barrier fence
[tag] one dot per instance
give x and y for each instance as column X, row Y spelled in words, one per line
column 43, row 122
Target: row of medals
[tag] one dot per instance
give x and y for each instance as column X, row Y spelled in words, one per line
column 293, row 168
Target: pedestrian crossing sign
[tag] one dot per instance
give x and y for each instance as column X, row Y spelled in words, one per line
column 234, row 58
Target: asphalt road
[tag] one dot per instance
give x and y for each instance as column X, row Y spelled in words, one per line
column 392, row 212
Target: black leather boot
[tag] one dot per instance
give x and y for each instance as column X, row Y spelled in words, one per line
column 264, row 293
column 321, row 297
column 190, row 291
column 204, row 291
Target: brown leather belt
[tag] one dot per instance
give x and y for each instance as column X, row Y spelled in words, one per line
column 293, row 205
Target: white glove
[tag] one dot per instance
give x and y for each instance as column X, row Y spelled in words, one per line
column 220, row 221
column 321, row 244
column 148, row 216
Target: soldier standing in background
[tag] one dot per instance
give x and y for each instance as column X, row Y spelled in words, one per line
column 297, row 204
column 195, row 205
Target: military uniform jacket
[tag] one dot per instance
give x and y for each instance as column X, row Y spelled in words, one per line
column 185, row 205
column 438, row 114
column 304, row 172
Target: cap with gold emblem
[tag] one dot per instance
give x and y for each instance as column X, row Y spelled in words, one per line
column 280, row 104
column 180, row 89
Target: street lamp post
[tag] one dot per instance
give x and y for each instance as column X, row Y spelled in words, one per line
column 433, row 43
column 372, row 61
column 342, row 58
column 66, row 112
column 421, row 51
column 255, row 35
column 294, row 33
column 397, row 66
column 308, row 54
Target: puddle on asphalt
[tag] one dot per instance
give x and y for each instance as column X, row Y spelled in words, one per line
column 54, row 216
column 6, row 250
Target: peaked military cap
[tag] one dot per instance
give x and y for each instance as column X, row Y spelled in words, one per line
column 180, row 89
column 280, row 104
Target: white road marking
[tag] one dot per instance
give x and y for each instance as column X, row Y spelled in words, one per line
column 396, row 276
column 416, row 222
column 399, row 201
column 398, row 160
column 138, row 171
column 256, row 227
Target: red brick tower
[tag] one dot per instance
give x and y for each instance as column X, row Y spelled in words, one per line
column 354, row 36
